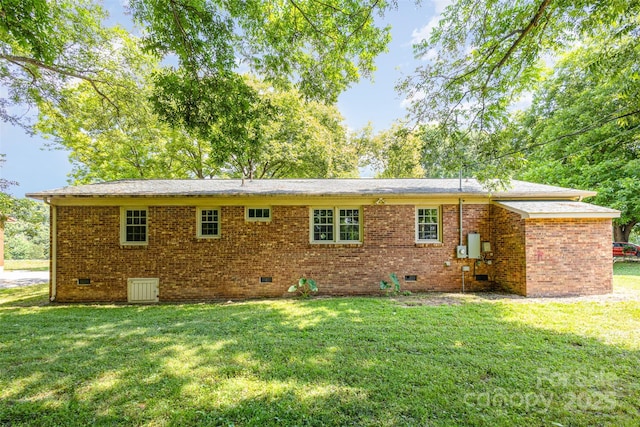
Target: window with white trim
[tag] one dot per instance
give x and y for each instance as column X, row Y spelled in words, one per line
column 134, row 226
column 336, row 225
column 428, row 225
column 208, row 222
column 258, row 214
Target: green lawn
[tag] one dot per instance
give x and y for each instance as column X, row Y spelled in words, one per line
column 340, row 361
column 26, row 264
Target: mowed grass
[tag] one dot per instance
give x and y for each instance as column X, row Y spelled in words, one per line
column 339, row 361
column 26, row 264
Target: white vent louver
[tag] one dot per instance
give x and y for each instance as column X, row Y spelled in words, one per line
column 142, row 290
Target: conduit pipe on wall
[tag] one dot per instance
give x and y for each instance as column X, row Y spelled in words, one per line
column 460, row 226
column 460, row 201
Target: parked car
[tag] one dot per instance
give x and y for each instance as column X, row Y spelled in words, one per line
column 625, row 249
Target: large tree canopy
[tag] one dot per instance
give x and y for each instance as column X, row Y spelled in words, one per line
column 256, row 131
column 320, row 47
column 580, row 131
column 484, row 55
column 238, row 126
column 45, row 44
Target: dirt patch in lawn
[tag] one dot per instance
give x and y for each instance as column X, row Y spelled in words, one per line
column 440, row 298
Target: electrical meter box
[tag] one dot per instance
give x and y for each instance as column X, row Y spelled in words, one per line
column 473, row 240
column 461, row 251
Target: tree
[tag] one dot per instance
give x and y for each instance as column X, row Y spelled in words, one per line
column 45, row 44
column 579, row 131
column 28, row 236
column 124, row 138
column 392, row 153
column 482, row 56
column 255, row 130
column 273, row 134
column 320, row 47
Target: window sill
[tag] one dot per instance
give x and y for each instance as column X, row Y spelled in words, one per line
column 134, row 245
column 336, row 245
column 429, row 245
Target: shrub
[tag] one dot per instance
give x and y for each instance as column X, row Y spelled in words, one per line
column 395, row 283
column 305, row 287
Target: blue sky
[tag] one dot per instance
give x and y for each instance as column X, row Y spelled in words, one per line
column 37, row 168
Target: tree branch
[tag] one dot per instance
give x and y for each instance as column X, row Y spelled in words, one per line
column 306, row 18
column 524, row 32
column 22, row 60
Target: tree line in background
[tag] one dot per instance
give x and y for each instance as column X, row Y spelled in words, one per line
column 248, row 89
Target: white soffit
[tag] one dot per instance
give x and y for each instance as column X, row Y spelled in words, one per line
column 557, row 209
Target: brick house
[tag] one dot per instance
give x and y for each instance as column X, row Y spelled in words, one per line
column 172, row 240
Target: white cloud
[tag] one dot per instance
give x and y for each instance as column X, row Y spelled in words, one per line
column 419, row 35
column 416, row 96
column 422, row 34
column 440, row 5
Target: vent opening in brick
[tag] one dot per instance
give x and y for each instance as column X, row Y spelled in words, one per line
column 266, row 279
column 410, row 278
column 482, row 277
column 84, row 282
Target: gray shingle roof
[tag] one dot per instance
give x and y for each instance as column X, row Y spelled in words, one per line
column 558, row 209
column 308, row 187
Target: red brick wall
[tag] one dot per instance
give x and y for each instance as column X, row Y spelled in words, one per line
column 1, row 244
column 509, row 250
column 230, row 267
column 551, row 257
column 568, row 257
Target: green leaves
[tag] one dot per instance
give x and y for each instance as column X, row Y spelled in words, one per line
column 484, row 56
column 318, row 47
column 197, row 32
column 583, row 129
column 305, row 287
column 386, row 286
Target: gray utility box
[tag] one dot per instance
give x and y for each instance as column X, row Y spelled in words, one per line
column 473, row 241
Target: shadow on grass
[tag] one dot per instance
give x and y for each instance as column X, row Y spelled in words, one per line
column 350, row 361
column 25, row 296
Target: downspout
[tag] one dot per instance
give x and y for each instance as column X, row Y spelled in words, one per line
column 460, row 201
column 460, row 226
column 53, row 221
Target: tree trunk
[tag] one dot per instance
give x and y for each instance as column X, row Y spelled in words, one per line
column 621, row 232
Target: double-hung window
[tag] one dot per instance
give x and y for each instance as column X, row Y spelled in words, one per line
column 208, row 222
column 336, row 225
column 428, row 225
column 134, row 226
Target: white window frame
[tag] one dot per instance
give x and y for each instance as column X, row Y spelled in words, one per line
column 199, row 212
column 254, row 219
column 336, row 225
column 123, row 225
column 438, row 224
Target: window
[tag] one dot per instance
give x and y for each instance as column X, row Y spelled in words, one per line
column 428, row 225
column 208, row 222
column 335, row 225
column 258, row 214
column 133, row 229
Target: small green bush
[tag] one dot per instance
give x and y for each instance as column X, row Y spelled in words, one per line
column 393, row 287
column 305, row 287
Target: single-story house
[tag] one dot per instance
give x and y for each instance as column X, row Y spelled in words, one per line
column 173, row 240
